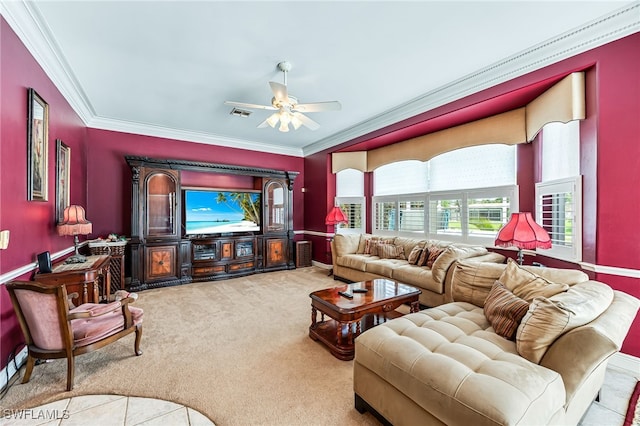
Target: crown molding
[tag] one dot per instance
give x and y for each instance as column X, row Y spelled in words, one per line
column 26, row 21
column 189, row 136
column 611, row 27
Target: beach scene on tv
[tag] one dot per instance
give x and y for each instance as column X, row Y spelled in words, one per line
column 212, row 212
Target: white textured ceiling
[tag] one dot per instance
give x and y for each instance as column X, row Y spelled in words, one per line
column 165, row 68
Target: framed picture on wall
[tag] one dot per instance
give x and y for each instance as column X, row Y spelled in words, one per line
column 37, row 147
column 63, row 164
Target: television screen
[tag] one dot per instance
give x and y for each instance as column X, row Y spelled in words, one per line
column 213, row 211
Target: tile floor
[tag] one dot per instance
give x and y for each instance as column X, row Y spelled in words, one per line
column 614, row 399
column 107, row 410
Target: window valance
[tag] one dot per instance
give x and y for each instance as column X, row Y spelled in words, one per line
column 563, row 102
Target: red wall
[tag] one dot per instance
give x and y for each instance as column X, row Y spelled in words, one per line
column 610, row 154
column 31, row 223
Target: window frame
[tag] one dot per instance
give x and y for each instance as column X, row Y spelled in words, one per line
column 510, row 191
column 573, row 186
column 341, row 229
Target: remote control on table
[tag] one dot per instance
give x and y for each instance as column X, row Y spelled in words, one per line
column 345, row 294
column 360, row 290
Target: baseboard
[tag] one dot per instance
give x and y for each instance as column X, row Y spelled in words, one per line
column 628, row 363
column 321, row 265
column 21, row 358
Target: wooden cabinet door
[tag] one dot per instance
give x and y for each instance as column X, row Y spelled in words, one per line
column 161, row 262
column 276, row 252
column 161, row 204
column 276, row 213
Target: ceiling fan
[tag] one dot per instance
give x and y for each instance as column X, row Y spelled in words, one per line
column 288, row 110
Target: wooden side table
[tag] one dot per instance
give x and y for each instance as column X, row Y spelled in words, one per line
column 86, row 279
column 303, row 253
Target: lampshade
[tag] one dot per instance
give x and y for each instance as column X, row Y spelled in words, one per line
column 523, row 232
column 285, row 118
column 74, row 222
column 335, row 216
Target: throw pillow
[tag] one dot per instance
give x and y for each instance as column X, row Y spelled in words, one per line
column 504, row 310
column 414, row 256
column 526, row 284
column 390, row 251
column 371, row 246
column 434, row 252
column 549, row 318
column 422, row 260
column 362, row 243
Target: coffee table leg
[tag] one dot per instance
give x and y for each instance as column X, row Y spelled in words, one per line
column 415, row 306
column 314, row 314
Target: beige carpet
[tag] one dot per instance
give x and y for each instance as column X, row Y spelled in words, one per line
column 236, row 350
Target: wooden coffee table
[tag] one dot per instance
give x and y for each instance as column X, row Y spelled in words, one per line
column 350, row 317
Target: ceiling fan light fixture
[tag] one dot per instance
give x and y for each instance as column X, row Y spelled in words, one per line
column 285, row 119
column 296, row 123
column 273, row 119
column 286, row 106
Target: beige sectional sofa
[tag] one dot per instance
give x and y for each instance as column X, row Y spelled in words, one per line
column 448, row 364
column 352, row 263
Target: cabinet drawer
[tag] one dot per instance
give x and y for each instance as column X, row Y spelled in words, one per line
column 208, row 270
column 241, row 266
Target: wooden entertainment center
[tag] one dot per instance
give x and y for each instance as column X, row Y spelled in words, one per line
column 162, row 254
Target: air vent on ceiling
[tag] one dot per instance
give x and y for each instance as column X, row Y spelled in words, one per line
column 240, row 112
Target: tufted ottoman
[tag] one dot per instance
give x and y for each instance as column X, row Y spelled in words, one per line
column 445, row 365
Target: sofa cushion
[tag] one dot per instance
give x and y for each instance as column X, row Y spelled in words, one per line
column 356, row 261
column 452, row 253
column 409, row 243
column 414, row 255
column 434, row 252
column 371, row 243
column 549, row 318
column 527, row 284
column 424, row 256
column 417, row 276
column 391, row 251
column 362, row 243
column 384, row 267
column 504, row 310
column 473, row 280
column 448, row 361
column 345, row 244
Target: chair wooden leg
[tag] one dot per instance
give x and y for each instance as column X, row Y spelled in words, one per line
column 70, row 372
column 31, row 361
column 136, row 346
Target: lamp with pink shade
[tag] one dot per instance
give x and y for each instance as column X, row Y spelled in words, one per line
column 75, row 223
column 523, row 232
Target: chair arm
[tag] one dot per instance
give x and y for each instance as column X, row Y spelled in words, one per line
column 127, row 300
column 88, row 310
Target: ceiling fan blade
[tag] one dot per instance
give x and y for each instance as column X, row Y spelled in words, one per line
column 319, row 106
column 279, row 92
column 306, row 121
column 252, row 106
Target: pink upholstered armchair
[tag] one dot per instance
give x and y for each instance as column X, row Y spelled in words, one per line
column 52, row 330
